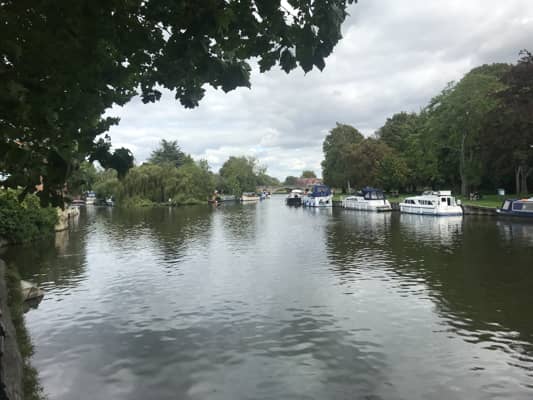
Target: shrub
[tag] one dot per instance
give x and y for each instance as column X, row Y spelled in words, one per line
column 26, row 221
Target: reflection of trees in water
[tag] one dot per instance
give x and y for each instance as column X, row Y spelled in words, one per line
column 356, row 236
column 478, row 274
column 60, row 261
column 170, row 229
column 240, row 221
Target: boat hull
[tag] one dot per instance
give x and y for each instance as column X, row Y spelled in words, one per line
column 293, row 201
column 421, row 210
column 321, row 201
column 526, row 214
column 367, row 205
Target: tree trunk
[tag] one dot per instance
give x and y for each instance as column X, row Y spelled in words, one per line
column 517, row 179
column 462, row 167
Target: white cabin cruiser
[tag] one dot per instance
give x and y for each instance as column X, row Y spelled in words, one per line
column 320, row 196
column 369, row 199
column 439, row 203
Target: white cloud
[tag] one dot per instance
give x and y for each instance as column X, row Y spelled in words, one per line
column 394, row 56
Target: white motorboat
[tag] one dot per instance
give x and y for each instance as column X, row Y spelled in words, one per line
column 249, row 196
column 370, row 199
column 319, row 196
column 294, row 198
column 439, row 203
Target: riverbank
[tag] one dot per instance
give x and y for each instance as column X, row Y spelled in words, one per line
column 18, row 379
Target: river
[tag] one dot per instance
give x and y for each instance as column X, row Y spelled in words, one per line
column 263, row 301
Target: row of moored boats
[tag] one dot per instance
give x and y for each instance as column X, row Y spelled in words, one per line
column 437, row 203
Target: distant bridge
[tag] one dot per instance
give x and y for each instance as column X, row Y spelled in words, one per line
column 278, row 189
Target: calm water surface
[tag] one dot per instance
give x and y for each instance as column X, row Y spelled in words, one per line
column 261, row 301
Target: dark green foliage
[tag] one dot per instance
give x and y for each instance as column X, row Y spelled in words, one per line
column 154, row 184
column 65, row 63
column 290, row 180
column 243, row 174
column 336, row 147
column 308, row 174
column 26, row 221
column 168, row 152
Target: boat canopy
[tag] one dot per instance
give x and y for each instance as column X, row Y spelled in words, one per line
column 320, row 190
column 370, row 193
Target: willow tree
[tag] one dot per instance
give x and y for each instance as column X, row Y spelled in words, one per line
column 65, row 63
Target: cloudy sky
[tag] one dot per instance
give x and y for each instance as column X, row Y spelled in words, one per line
column 395, row 56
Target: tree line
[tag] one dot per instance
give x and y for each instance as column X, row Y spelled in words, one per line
column 171, row 176
column 476, row 134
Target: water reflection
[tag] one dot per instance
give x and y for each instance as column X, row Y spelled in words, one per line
column 265, row 301
column 426, row 229
column 516, row 230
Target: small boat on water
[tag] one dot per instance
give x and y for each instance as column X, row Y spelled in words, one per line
column 90, row 198
column 369, row 199
column 517, row 208
column 249, row 196
column 294, row 198
column 319, row 196
column 439, row 203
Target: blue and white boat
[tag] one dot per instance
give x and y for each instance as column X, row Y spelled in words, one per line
column 319, row 196
column 517, row 208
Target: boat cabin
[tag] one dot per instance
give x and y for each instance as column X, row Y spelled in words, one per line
column 320, row 191
column 372, row 194
column 522, row 207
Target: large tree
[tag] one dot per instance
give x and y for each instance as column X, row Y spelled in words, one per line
column 335, row 147
column 508, row 143
column 457, row 117
column 65, row 63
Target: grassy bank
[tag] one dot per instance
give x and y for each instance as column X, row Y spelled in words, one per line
column 30, row 383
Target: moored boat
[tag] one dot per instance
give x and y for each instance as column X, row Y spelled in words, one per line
column 249, row 196
column 294, row 198
column 319, row 196
column 369, row 199
column 78, row 203
column 517, row 208
column 90, row 198
column 439, row 203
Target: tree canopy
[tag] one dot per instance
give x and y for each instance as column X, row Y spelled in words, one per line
column 308, row 174
column 168, row 152
column 336, row 147
column 64, row 64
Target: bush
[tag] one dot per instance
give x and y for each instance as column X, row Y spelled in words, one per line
column 26, row 221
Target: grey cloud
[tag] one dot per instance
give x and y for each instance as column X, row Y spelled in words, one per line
column 394, row 57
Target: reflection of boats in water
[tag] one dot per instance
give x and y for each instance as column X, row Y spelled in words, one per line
column 514, row 230
column 427, row 228
column 440, row 203
column 517, row 208
column 369, row 199
column 294, row 198
column 319, row 196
